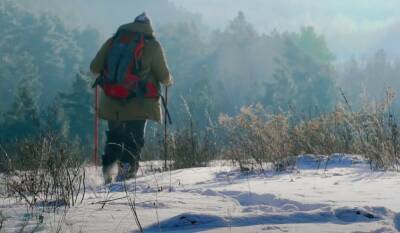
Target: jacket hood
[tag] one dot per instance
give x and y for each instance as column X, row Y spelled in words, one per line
column 145, row 28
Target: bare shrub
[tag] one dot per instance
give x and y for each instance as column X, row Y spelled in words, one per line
column 190, row 148
column 377, row 135
column 152, row 149
column 45, row 171
column 187, row 144
column 254, row 138
column 257, row 138
column 330, row 133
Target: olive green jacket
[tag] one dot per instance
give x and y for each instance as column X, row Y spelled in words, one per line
column 154, row 68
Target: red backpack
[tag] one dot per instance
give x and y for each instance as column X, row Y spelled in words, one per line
column 121, row 75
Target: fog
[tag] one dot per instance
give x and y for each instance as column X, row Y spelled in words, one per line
column 106, row 15
column 288, row 56
column 354, row 28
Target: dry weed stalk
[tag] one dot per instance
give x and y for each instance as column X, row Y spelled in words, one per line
column 254, row 137
column 45, row 172
column 257, row 138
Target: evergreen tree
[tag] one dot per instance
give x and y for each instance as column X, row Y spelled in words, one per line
column 54, row 119
column 368, row 80
column 58, row 52
column 78, row 108
column 241, row 61
column 304, row 79
column 313, row 45
column 352, row 82
column 185, row 51
column 23, row 120
column 233, row 64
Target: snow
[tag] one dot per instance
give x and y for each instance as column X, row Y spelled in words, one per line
column 346, row 197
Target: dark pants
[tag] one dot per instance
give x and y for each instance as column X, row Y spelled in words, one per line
column 125, row 140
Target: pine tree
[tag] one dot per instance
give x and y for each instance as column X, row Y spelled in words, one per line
column 234, row 63
column 303, row 80
column 54, row 119
column 23, row 119
column 78, row 108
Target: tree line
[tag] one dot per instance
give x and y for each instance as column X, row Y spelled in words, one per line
column 44, row 84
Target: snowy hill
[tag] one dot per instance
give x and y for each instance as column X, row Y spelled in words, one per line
column 346, row 197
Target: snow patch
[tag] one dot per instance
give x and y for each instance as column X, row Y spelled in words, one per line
column 308, row 161
column 221, row 199
column 270, row 202
column 324, row 215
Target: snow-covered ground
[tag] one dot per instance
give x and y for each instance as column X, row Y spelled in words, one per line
column 347, row 197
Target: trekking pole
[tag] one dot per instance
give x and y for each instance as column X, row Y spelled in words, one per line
column 167, row 156
column 165, row 129
column 96, row 127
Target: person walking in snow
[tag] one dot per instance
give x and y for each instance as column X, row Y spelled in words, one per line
column 131, row 66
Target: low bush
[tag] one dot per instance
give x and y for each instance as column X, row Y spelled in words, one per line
column 44, row 171
column 255, row 139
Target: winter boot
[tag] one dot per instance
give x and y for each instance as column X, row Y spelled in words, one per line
column 112, row 152
column 109, row 173
column 126, row 171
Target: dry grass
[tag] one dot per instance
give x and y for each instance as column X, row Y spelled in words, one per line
column 44, row 171
column 187, row 146
column 255, row 138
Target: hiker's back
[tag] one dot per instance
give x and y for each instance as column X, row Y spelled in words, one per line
column 153, row 68
column 130, row 67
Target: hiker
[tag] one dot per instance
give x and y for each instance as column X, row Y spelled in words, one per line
column 130, row 67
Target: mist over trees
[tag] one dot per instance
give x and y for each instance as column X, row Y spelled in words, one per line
column 46, row 45
column 39, row 58
column 44, row 83
column 304, row 79
column 80, row 13
column 241, row 66
column 368, row 80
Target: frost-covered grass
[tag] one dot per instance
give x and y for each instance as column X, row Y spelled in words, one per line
column 346, row 197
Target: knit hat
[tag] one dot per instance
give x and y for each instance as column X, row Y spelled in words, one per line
column 142, row 18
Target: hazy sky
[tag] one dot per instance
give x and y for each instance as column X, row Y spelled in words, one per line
column 351, row 27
